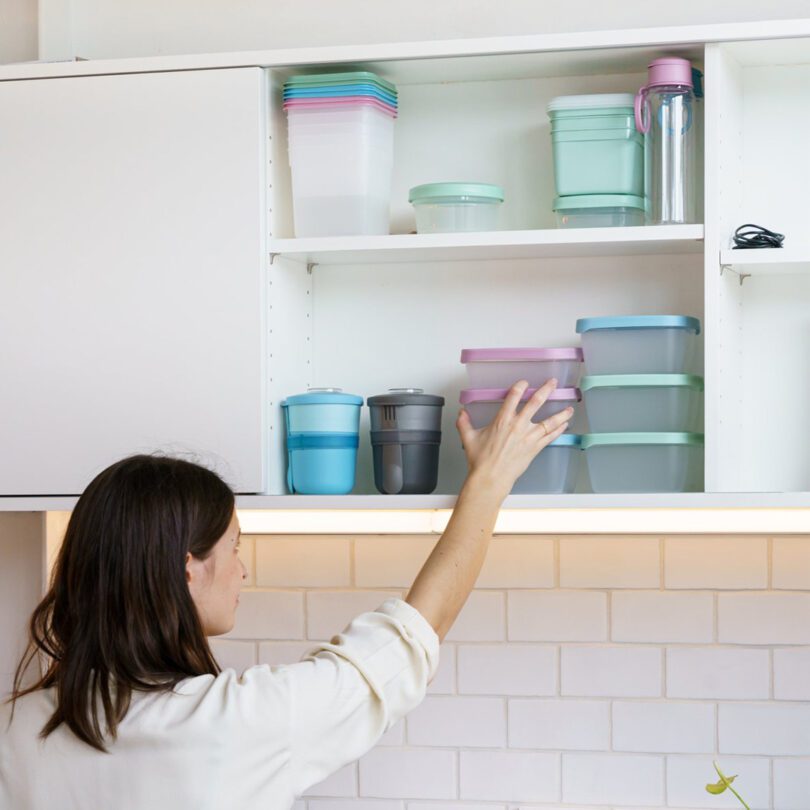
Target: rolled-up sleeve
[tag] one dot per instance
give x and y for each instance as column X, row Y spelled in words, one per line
column 346, row 694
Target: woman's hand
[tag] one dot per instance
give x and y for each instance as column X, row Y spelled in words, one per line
column 501, row 452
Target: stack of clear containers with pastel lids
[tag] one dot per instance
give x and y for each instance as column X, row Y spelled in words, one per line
column 644, row 405
column 491, row 372
column 341, row 151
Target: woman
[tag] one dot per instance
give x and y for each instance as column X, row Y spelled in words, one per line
column 131, row 710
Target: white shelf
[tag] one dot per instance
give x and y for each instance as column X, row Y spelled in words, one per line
column 552, row 243
column 767, row 262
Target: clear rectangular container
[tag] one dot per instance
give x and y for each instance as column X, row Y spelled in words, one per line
column 554, row 469
column 599, row 211
column 639, row 344
column 644, row 462
column 483, row 404
column 653, row 403
column 502, row 368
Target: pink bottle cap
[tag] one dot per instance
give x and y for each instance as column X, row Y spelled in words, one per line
column 669, row 70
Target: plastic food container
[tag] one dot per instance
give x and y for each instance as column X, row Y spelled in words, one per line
column 639, row 344
column 483, row 404
column 664, row 403
column 405, row 438
column 555, row 469
column 599, row 211
column 644, row 462
column 446, row 207
column 596, row 147
column 501, row 368
column 322, row 429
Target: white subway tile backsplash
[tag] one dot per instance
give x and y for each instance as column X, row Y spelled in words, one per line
column 724, row 673
column 302, row 561
column 269, row 615
column 767, row 618
column 611, row 671
column 390, row 562
column 610, row 562
column 353, row 804
column 791, row 674
column 238, row 655
column 791, row 563
column 481, row 619
column 474, row 722
column 340, row 783
column 507, row 669
column 510, row 776
column 392, row 773
column 578, row 725
column 770, row 729
column 395, row 735
column 453, row 806
column 680, row 728
column 613, row 779
column 659, row 616
column 687, row 777
column 522, row 561
column 557, row 616
column 330, row 612
column 791, row 784
column 444, row 681
column 716, row 562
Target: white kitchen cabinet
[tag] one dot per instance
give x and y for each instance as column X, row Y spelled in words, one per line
column 132, row 260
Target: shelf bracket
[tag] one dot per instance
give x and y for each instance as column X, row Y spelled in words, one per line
column 273, row 257
column 310, row 267
column 741, row 276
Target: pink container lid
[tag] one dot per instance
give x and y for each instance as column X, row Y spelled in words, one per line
column 499, row 394
column 519, row 355
column 347, row 101
column 669, row 70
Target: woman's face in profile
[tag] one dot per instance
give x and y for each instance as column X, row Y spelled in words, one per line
column 215, row 582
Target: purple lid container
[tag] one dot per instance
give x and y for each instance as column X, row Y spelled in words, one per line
column 519, row 355
column 469, row 395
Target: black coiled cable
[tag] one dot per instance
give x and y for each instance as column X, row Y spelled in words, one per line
column 749, row 236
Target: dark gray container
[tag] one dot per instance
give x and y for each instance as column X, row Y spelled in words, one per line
column 405, row 438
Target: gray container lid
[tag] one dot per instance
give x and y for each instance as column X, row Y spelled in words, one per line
column 405, row 396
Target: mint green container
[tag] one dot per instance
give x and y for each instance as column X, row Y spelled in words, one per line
column 595, row 144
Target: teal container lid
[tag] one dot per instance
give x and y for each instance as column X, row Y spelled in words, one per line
column 639, row 322
column 346, row 77
column 612, row 439
column 429, row 192
column 580, row 201
column 323, row 396
column 591, row 381
column 591, row 102
column 567, row 440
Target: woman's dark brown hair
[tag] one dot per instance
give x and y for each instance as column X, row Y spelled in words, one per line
column 118, row 615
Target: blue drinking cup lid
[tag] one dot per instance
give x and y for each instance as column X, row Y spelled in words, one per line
column 639, row 322
column 323, row 396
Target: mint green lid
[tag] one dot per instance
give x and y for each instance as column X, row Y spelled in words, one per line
column 432, row 191
column 612, row 439
column 598, row 201
column 351, row 77
column 592, row 381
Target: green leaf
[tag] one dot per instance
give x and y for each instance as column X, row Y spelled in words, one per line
column 720, row 787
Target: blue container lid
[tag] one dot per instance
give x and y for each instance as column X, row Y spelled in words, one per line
column 639, row 322
column 567, row 440
column 576, row 202
column 322, row 441
column 323, row 396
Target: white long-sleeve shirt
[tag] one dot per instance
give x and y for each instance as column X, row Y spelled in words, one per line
column 257, row 740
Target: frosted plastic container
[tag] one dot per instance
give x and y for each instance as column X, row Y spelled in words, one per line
column 599, row 211
column 554, row 470
column 341, row 163
column 453, row 207
column 501, row 368
column 668, row 403
column 644, row 462
column 639, row 344
column 483, row 404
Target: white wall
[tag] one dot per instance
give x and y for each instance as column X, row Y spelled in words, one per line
column 118, row 28
column 18, row 30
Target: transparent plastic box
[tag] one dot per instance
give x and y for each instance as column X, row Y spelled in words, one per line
column 456, row 207
column 599, row 211
column 644, row 462
column 483, row 404
column 554, row 470
column 656, row 403
column 502, row 368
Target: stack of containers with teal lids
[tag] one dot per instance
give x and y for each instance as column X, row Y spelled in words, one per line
column 448, row 207
column 492, row 371
column 598, row 161
column 644, row 408
column 322, row 428
column 341, row 150
column 406, row 432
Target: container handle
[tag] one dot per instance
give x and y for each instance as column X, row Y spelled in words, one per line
column 392, row 468
column 641, row 109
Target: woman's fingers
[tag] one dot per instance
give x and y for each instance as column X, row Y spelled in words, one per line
column 554, row 425
column 512, row 399
column 464, row 427
column 538, row 399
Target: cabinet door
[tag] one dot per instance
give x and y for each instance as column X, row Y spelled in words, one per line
column 131, row 274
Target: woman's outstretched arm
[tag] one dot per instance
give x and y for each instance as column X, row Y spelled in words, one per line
column 496, row 457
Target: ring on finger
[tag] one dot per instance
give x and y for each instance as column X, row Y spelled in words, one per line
column 545, row 427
